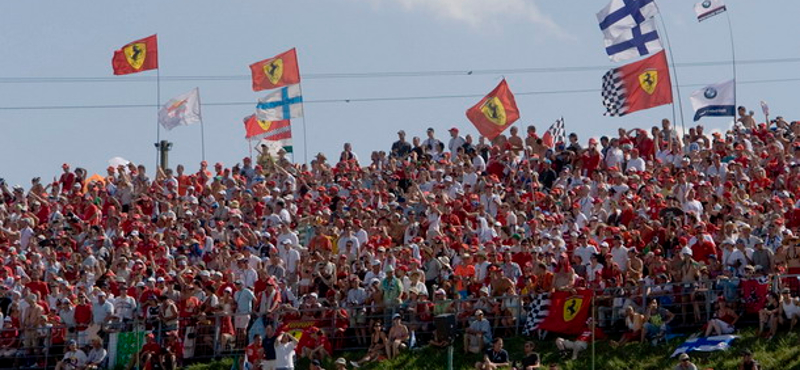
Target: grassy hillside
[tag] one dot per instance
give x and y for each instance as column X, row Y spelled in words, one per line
column 783, row 352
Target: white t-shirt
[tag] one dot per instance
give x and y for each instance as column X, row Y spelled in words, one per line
column 74, row 359
column 124, row 307
column 284, row 354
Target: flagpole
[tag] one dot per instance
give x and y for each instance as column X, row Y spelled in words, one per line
column 674, row 69
column 733, row 55
column 158, row 106
column 250, row 144
column 305, row 137
column 202, row 128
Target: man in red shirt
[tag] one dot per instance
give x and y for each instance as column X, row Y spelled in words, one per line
column 150, row 351
column 254, row 353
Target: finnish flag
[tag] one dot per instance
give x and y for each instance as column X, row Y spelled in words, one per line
column 621, row 15
column 716, row 100
column 284, row 103
column 639, row 40
column 705, row 344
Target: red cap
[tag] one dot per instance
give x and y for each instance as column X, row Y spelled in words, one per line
column 453, row 129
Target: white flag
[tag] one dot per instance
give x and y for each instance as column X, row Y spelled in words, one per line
column 708, row 8
column 183, row 110
column 716, row 100
column 634, row 42
column 621, row 15
column 284, row 103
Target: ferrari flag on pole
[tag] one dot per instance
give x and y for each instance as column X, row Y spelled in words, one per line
column 275, row 72
column 495, row 112
column 140, row 55
column 568, row 312
column 636, row 86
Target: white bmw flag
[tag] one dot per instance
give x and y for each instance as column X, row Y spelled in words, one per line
column 716, row 100
column 708, row 8
column 284, row 103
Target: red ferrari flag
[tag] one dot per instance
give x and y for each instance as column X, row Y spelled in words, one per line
column 636, row 86
column 568, row 312
column 278, row 133
column 275, row 72
column 495, row 112
column 140, row 55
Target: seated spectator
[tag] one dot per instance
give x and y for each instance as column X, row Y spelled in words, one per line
column 378, row 346
column 684, row 363
column 634, row 322
column 724, row 320
column 478, row 335
column 790, row 309
column 748, row 363
column 148, row 354
column 572, row 349
column 656, row 320
column 317, row 345
column 97, row 355
column 530, row 360
column 398, row 337
column 74, row 358
column 769, row 315
column 495, row 357
column 9, row 339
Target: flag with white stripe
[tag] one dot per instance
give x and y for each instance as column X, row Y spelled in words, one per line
column 642, row 39
column 705, row 344
column 282, row 104
column 709, row 8
column 715, row 100
column 621, row 15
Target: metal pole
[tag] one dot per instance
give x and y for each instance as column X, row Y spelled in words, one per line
column 733, row 56
column 158, row 106
column 674, row 69
column 450, row 357
column 202, row 128
column 592, row 327
column 305, row 137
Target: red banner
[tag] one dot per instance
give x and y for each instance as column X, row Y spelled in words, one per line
column 495, row 112
column 568, row 312
column 140, row 55
column 275, row 72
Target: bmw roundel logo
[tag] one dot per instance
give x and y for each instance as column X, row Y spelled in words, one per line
column 710, row 93
column 707, row 4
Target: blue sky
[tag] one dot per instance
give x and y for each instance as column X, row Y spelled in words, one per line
column 212, row 38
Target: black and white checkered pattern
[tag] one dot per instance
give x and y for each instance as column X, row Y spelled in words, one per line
column 614, row 95
column 558, row 132
column 537, row 312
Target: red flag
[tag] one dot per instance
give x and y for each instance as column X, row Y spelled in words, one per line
column 495, row 112
column 754, row 295
column 636, row 86
column 140, row 55
column 269, row 130
column 568, row 312
column 275, row 72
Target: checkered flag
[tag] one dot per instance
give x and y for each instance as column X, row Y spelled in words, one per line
column 537, row 312
column 614, row 94
column 555, row 134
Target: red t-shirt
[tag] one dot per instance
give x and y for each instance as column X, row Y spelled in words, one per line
column 83, row 315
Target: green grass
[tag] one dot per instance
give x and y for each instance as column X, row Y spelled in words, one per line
column 782, row 352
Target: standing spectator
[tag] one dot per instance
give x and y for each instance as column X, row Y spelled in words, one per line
column 284, row 351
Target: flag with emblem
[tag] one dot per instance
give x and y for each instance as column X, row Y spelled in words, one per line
column 538, row 311
column 281, row 104
column 182, row 110
column 716, row 100
column 557, row 133
column 568, row 312
column 495, row 112
column 636, row 86
column 140, row 55
column 276, row 72
column 708, row 8
column 277, row 133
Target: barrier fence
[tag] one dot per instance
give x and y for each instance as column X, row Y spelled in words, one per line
column 348, row 328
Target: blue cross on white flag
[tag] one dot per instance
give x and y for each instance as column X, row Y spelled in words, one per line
column 716, row 100
column 621, row 15
column 285, row 103
column 705, row 344
column 637, row 41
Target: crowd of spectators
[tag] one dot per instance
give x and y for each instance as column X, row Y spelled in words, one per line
column 372, row 251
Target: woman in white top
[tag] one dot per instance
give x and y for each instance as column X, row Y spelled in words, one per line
column 790, row 309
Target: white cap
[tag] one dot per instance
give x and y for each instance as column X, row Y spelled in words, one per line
column 686, row 251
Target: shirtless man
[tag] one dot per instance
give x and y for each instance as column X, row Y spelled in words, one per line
column 398, row 336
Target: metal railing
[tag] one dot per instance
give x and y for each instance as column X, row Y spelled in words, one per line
column 209, row 337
